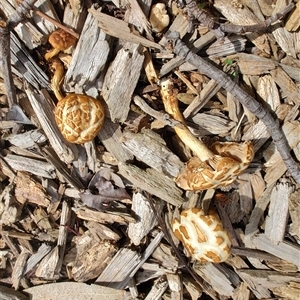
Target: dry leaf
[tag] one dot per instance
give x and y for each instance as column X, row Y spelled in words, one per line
column 107, row 192
column 73, row 291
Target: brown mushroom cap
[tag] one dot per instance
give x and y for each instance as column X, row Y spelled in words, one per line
column 79, row 118
column 203, row 236
column 60, row 40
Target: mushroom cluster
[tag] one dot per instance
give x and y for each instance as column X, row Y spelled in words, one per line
column 218, row 165
column 203, row 236
column 78, row 117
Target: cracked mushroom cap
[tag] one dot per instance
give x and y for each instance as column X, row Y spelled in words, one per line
column 230, row 160
column 79, row 118
column 203, row 236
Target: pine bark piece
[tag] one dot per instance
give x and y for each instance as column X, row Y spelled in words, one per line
column 34, row 166
column 43, row 108
column 35, row 258
column 146, row 218
column 293, row 21
column 18, row 269
column 120, row 29
column 125, row 264
column 111, row 135
column 210, row 273
column 26, row 31
column 90, row 249
column 275, row 166
column 242, row 292
column 177, row 61
column 294, row 210
column 284, row 250
column 175, row 284
column 289, row 291
column 46, row 268
column 28, row 190
column 120, row 81
column 116, row 274
column 46, row 7
column 85, row 70
column 251, row 64
column 210, row 89
column 243, row 16
column 289, row 88
column 260, row 281
column 151, row 149
column 276, row 220
column 158, row 288
column 27, row 139
column 214, row 123
column 26, row 65
column 153, row 182
column 104, row 217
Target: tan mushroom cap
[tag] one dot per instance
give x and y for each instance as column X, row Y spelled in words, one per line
column 231, row 159
column 203, row 236
column 159, row 17
column 79, row 118
column 60, row 40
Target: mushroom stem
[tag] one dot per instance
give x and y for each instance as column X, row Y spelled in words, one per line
column 58, row 70
column 53, row 52
column 171, row 106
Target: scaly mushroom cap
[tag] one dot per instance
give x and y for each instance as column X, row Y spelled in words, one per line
column 231, row 159
column 203, row 236
column 79, row 118
column 60, row 40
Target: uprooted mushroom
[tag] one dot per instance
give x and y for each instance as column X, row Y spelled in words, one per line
column 60, row 40
column 218, row 165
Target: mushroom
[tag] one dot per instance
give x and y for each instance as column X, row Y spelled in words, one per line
column 78, row 117
column 218, row 165
column 60, row 40
column 203, row 236
column 159, row 17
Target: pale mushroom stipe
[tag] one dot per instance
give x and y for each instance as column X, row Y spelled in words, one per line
column 78, row 117
column 203, row 236
column 218, row 165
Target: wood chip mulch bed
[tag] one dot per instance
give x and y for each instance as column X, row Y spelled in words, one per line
column 93, row 221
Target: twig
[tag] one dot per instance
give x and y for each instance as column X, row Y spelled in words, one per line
column 163, row 117
column 256, row 27
column 194, row 13
column 245, row 99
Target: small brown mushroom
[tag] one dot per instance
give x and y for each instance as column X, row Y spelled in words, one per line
column 216, row 166
column 203, row 236
column 159, row 17
column 60, row 40
column 78, row 117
